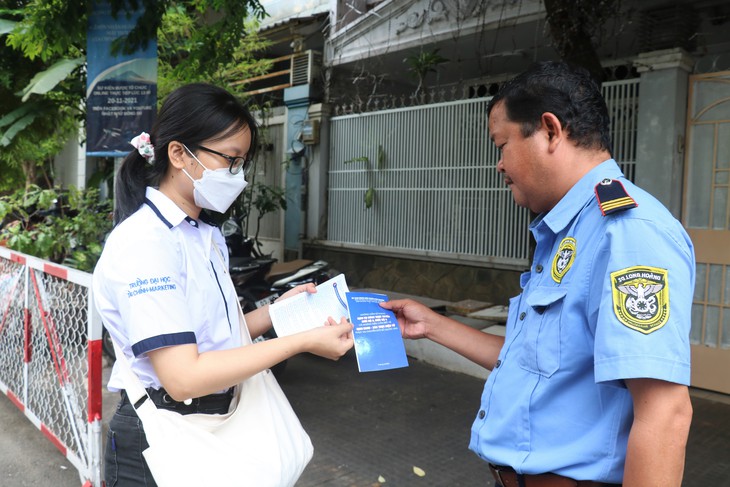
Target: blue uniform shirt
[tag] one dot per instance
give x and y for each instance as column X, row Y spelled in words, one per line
column 607, row 298
column 160, row 282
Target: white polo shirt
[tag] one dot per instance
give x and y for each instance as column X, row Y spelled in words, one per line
column 159, row 282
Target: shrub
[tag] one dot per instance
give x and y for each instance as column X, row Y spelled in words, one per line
column 66, row 226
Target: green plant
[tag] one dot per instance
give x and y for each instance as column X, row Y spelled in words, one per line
column 64, row 226
column 266, row 199
column 181, row 56
column 369, row 196
column 262, row 197
column 423, row 63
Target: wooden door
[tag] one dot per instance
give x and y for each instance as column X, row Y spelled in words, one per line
column 706, row 216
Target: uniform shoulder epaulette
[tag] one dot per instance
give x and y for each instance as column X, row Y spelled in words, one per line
column 612, row 197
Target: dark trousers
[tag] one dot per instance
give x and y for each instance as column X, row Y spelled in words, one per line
column 124, row 465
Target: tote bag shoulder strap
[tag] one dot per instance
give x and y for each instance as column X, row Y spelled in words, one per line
column 132, row 385
column 245, row 335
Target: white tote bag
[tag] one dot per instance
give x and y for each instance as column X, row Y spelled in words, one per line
column 260, row 443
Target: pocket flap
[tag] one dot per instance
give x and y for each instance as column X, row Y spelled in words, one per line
column 542, row 297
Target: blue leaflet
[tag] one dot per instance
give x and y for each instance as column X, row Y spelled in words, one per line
column 378, row 341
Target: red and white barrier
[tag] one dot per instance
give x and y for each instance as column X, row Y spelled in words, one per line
column 50, row 355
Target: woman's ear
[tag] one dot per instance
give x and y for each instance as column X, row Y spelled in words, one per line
column 177, row 153
column 553, row 130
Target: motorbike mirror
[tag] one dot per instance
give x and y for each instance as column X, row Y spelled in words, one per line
column 230, row 227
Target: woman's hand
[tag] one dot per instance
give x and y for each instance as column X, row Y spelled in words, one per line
column 259, row 320
column 331, row 341
column 302, row 288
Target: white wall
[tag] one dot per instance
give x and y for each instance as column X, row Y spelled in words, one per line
column 70, row 165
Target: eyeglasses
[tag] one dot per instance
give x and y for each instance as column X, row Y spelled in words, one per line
column 236, row 163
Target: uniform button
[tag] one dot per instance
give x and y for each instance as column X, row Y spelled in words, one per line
column 538, row 268
column 497, row 364
column 482, row 414
column 522, row 315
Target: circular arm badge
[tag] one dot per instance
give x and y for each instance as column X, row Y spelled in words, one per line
column 641, row 297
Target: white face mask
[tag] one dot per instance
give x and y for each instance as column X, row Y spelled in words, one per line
column 216, row 189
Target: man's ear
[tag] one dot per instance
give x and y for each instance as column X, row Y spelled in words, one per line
column 177, row 153
column 553, row 130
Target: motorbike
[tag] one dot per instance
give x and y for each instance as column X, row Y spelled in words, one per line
column 259, row 290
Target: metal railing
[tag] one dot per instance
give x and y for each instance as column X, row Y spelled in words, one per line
column 50, row 355
column 622, row 100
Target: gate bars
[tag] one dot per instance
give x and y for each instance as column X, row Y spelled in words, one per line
column 50, row 355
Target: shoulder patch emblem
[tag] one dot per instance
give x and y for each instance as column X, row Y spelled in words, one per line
column 612, row 197
column 563, row 259
column 641, row 297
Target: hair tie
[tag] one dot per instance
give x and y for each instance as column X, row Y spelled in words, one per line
column 144, row 146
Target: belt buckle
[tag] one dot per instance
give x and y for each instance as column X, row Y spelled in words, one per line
column 499, row 477
column 498, row 473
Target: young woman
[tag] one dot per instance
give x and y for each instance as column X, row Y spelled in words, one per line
column 161, row 284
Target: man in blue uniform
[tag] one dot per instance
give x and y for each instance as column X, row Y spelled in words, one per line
column 589, row 385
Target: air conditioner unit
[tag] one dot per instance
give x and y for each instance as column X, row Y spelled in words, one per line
column 305, row 67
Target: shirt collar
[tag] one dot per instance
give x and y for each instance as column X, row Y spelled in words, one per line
column 578, row 196
column 166, row 208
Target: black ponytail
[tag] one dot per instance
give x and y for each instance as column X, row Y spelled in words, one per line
column 131, row 182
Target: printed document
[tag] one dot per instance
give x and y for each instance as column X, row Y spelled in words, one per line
column 306, row 311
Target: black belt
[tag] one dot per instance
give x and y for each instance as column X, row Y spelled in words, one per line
column 210, row 404
column 507, row 477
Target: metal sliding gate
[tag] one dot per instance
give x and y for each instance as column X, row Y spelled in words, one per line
column 50, row 355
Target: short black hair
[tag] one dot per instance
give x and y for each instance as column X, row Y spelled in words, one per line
column 566, row 91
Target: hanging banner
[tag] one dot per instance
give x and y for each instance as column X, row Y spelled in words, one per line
column 121, row 90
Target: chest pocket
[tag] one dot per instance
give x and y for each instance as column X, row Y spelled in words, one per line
column 541, row 331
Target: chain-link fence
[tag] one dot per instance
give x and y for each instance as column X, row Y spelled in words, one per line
column 50, row 355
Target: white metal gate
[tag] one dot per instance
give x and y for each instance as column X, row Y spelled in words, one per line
column 434, row 183
column 50, row 355
column 430, row 174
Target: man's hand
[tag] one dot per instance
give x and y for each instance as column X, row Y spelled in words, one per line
column 419, row 321
column 414, row 318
